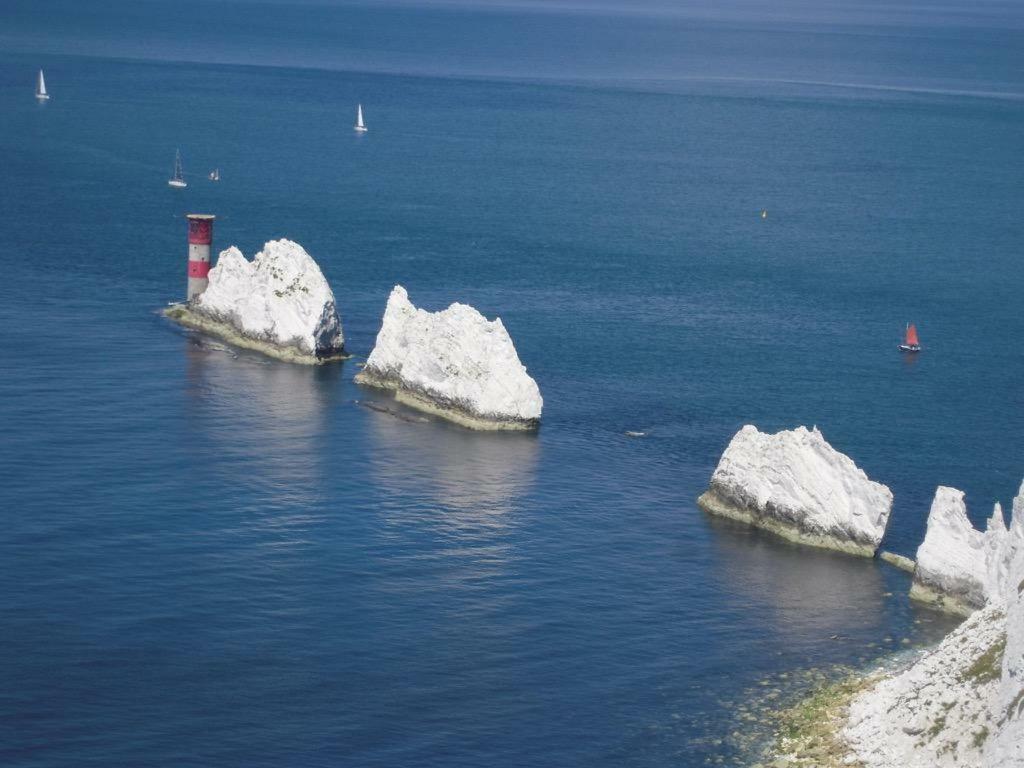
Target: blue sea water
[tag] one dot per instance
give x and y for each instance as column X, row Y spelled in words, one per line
column 210, row 558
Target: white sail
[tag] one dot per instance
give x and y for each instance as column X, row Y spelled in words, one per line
column 360, row 126
column 178, row 179
column 41, row 87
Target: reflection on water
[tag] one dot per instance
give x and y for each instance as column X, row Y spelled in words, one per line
column 475, row 475
column 450, row 502
column 909, row 359
column 272, row 417
column 809, row 592
column 812, row 595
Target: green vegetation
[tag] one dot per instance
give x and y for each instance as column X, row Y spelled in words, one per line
column 989, row 665
column 808, row 731
column 291, row 288
column 980, row 737
column 937, row 727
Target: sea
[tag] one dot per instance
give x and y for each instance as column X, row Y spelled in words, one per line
column 212, row 558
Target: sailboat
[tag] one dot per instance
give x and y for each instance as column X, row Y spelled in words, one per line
column 178, row 179
column 910, row 342
column 360, row 126
column 41, row 93
column 215, row 174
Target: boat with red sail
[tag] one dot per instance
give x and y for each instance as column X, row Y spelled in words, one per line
column 910, row 341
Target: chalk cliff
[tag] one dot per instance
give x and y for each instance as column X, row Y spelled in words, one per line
column 960, row 705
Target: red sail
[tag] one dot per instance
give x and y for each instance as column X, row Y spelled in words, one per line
column 912, row 336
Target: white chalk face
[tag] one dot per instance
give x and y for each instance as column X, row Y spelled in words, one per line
column 456, row 355
column 280, row 296
column 957, row 561
column 798, row 477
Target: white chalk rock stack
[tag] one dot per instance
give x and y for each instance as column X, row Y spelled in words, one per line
column 958, row 567
column 280, row 300
column 455, row 363
column 796, row 485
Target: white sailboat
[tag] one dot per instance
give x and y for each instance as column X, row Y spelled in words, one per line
column 360, row 126
column 41, row 93
column 178, row 179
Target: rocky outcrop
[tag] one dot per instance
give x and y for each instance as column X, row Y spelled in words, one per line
column 958, row 705
column 795, row 484
column 961, row 704
column 279, row 303
column 1007, row 743
column 455, row 363
column 942, row 710
column 959, row 569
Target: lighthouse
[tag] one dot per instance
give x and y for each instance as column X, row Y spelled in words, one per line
column 200, row 237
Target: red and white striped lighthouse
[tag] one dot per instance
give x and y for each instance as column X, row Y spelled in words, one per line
column 200, row 237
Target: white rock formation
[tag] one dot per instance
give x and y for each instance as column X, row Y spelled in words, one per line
column 455, row 363
column 796, row 485
column 1007, row 747
column 941, row 711
column 959, row 568
column 960, row 705
column 279, row 302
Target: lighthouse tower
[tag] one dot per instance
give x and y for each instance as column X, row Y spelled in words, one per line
column 200, row 237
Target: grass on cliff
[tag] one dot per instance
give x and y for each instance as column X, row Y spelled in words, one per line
column 988, row 666
column 809, row 731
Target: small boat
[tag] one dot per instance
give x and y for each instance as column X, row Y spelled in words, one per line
column 178, row 179
column 910, row 342
column 215, row 174
column 41, row 93
column 764, row 213
column 360, row 126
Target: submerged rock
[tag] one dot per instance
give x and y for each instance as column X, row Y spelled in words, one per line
column 455, row 363
column 796, row 485
column 279, row 303
column 902, row 562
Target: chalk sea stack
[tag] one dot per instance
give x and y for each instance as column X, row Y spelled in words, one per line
column 958, row 567
column 796, row 485
column 454, row 363
column 279, row 304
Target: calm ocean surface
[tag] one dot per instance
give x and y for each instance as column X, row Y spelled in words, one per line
column 208, row 558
